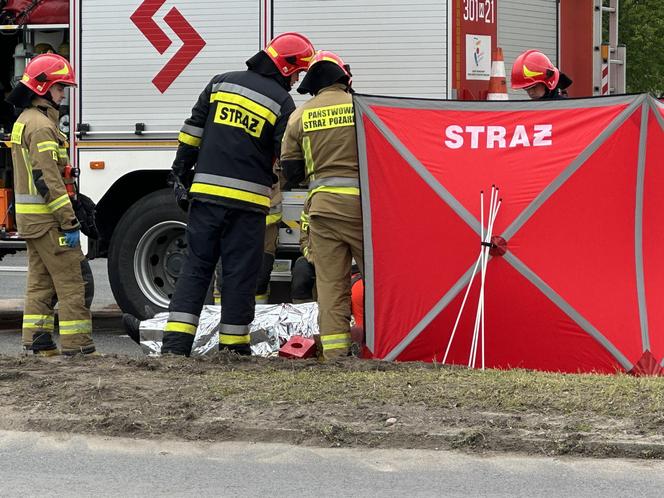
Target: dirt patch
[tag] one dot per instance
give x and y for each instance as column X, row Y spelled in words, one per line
column 343, row 403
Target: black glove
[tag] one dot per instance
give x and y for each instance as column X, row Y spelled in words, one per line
column 85, row 211
column 180, row 191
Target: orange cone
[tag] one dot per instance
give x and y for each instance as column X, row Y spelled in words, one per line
column 497, row 82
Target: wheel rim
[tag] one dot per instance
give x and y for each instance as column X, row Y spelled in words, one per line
column 158, row 260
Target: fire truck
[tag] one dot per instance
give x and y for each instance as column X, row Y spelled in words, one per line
column 141, row 64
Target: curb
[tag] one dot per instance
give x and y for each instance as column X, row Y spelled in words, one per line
column 12, row 309
column 337, row 436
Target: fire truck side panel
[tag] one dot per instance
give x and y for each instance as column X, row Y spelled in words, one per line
column 526, row 24
column 394, row 48
column 118, row 63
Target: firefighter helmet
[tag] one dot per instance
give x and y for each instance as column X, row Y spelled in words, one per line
column 532, row 67
column 326, row 68
column 45, row 70
column 290, row 52
column 326, row 55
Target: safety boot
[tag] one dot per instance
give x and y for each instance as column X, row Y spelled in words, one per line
column 75, row 344
column 177, row 343
column 132, row 327
column 42, row 345
column 241, row 349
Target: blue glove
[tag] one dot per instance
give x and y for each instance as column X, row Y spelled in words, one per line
column 73, row 238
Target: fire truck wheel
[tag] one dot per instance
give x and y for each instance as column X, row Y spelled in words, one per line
column 146, row 254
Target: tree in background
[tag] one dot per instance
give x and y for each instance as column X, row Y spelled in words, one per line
column 641, row 29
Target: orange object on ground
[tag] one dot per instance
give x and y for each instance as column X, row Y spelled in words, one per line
column 357, row 301
column 6, row 221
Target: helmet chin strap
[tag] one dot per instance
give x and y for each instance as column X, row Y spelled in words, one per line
column 49, row 97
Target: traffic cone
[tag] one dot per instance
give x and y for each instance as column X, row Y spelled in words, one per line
column 497, row 82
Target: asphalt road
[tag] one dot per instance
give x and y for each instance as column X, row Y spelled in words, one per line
column 64, row 465
column 13, row 274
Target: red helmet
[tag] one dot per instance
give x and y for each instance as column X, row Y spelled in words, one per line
column 325, row 55
column 532, row 67
column 290, row 52
column 45, row 70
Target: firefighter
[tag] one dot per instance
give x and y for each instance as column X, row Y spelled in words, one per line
column 44, row 213
column 233, row 136
column 320, row 145
column 534, row 72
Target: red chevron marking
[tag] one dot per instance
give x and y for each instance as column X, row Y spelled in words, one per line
column 192, row 44
column 143, row 19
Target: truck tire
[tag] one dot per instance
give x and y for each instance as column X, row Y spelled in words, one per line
column 146, row 254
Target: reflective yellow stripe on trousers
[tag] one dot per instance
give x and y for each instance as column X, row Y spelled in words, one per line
column 335, row 341
column 71, row 327
column 45, row 322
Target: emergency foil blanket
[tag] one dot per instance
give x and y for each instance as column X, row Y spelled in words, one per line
column 273, row 325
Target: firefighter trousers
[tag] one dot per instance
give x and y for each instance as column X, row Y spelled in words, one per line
column 263, row 283
column 54, row 268
column 334, row 243
column 235, row 235
column 304, row 281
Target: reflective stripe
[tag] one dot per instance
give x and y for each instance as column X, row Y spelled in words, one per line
column 309, row 165
column 39, row 326
column 234, row 329
column 189, row 140
column 334, row 337
column 335, row 185
column 270, row 219
column 230, row 193
column 47, row 145
column 234, row 339
column 70, row 327
column 304, row 221
column 29, row 199
column 336, row 190
column 327, row 347
column 37, row 206
column 178, row 316
column 183, row 328
column 28, row 166
column 37, row 317
column 335, row 341
column 194, row 131
column 58, row 203
column 305, row 252
column 227, row 181
column 334, row 181
column 44, row 322
column 263, row 100
column 32, row 209
column 17, row 133
column 217, row 300
column 245, row 103
column 262, row 298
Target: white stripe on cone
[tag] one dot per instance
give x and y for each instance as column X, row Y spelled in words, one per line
column 497, row 81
